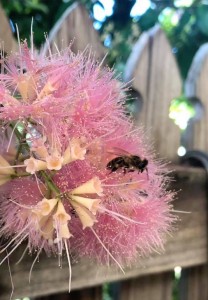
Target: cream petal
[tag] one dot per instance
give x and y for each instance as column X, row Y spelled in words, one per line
column 46, row 227
column 61, row 215
column 67, row 156
column 91, row 204
column 26, row 87
column 64, row 232
column 54, row 162
column 4, row 179
column 77, row 152
column 6, row 168
column 47, row 90
column 74, row 151
column 41, row 151
column 86, row 217
column 33, row 165
column 46, row 206
column 93, row 186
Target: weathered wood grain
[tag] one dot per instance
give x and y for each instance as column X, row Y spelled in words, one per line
column 153, row 287
column 154, row 73
column 75, row 27
column 196, row 85
column 83, row 294
column 194, row 283
column 7, row 41
column 186, row 247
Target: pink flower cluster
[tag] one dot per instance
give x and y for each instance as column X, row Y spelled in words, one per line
column 62, row 122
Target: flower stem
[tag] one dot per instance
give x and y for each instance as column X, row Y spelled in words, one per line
column 50, row 182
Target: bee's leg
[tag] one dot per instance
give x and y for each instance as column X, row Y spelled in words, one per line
column 124, row 170
column 147, row 173
column 131, row 170
column 114, row 169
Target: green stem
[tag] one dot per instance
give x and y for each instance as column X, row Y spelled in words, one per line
column 20, row 137
column 50, row 183
column 13, row 176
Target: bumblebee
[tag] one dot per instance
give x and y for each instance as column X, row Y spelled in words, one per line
column 128, row 163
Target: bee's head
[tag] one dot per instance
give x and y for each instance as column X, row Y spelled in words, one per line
column 145, row 162
column 109, row 165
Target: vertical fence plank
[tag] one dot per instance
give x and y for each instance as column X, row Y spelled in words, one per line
column 155, row 74
column 152, row 287
column 75, row 27
column 194, row 283
column 196, row 85
column 7, row 41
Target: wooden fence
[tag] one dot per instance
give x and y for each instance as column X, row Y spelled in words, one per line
column 154, row 73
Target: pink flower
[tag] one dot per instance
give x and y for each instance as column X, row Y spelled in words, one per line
column 68, row 118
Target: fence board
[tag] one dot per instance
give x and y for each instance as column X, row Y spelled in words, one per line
column 75, row 25
column 154, row 72
column 194, row 283
column 153, row 287
column 7, row 41
column 188, row 247
column 84, row 294
column 196, row 85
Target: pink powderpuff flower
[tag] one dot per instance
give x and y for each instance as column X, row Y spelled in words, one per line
column 82, row 178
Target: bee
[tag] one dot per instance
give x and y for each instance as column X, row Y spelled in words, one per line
column 128, row 163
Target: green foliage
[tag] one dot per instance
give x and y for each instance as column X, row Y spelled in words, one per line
column 121, row 43
column 190, row 32
column 202, row 19
column 149, row 19
column 21, row 13
column 106, row 292
column 181, row 111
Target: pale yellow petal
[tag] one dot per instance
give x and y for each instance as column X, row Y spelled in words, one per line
column 64, row 232
column 33, row 165
column 46, row 206
column 48, row 89
column 4, row 179
column 86, row 217
column 74, row 151
column 61, row 216
column 91, row 204
column 26, row 87
column 5, row 168
column 54, row 162
column 93, row 186
column 41, row 151
column 46, row 227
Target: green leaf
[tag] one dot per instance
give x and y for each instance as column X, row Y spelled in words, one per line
column 202, row 18
column 148, row 19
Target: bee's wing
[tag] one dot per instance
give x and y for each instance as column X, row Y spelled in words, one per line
column 118, row 151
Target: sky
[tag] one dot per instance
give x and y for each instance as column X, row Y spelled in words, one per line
column 100, row 14
column 138, row 9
